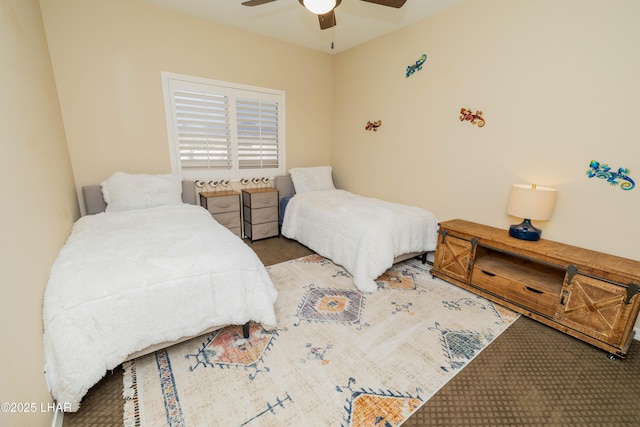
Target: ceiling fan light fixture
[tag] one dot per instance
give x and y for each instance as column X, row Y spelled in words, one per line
column 319, row 7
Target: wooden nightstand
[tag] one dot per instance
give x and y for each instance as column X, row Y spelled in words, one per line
column 260, row 210
column 224, row 206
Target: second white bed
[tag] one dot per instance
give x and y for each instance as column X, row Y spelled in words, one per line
column 362, row 234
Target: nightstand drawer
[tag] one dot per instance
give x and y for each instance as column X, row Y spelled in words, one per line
column 258, row 216
column 257, row 200
column 228, row 219
column 236, row 231
column 261, row 231
column 222, row 204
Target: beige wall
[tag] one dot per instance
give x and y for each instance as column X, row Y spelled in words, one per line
column 107, row 57
column 38, row 203
column 557, row 82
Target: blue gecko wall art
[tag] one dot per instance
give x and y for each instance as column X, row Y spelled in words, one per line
column 603, row 171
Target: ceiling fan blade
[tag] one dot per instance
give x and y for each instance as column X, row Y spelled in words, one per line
column 327, row 20
column 390, row 3
column 256, row 2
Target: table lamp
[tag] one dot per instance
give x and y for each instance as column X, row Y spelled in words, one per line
column 530, row 202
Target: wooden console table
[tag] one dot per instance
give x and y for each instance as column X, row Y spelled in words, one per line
column 586, row 294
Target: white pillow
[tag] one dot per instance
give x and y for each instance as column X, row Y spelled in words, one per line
column 312, row 179
column 123, row 191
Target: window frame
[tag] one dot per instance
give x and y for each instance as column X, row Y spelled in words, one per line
column 234, row 173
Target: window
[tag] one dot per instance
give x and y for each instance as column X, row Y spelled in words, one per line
column 223, row 130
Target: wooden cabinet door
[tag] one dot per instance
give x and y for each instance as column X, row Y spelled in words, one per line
column 597, row 308
column 454, row 256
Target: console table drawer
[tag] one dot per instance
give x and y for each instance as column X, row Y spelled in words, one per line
column 524, row 295
column 533, row 290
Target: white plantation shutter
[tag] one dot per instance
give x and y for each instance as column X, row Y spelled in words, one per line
column 223, row 130
column 258, row 135
column 203, row 129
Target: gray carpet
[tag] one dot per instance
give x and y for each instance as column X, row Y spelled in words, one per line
column 531, row 375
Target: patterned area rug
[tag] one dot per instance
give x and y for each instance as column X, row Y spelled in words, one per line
column 337, row 358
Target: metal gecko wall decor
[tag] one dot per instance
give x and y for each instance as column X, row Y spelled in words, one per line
column 417, row 66
column 603, row 171
column 373, row 125
column 475, row 119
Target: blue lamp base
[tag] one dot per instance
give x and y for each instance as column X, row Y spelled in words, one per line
column 525, row 231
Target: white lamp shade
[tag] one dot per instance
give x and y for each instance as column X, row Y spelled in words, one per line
column 319, row 7
column 532, row 202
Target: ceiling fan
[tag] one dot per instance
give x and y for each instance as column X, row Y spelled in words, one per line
column 325, row 9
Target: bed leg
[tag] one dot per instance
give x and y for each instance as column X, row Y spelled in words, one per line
column 424, row 258
column 245, row 330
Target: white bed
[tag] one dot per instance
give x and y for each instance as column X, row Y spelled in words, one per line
column 364, row 235
column 131, row 281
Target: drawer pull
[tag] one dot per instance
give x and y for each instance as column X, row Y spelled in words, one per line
column 533, row 290
column 488, row 273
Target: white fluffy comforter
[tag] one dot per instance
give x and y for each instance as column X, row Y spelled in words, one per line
column 127, row 280
column 362, row 234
